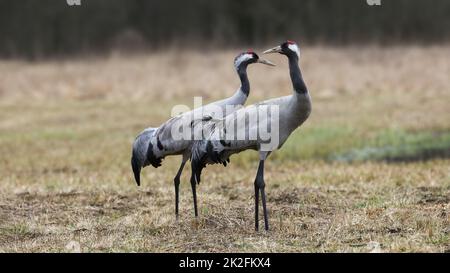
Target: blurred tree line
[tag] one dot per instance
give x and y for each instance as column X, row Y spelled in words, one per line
column 34, row 28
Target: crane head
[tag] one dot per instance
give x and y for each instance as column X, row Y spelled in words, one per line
column 249, row 57
column 288, row 48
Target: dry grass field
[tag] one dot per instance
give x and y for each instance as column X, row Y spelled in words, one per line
column 368, row 172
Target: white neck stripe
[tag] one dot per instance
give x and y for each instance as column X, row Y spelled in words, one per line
column 242, row 58
column 294, row 48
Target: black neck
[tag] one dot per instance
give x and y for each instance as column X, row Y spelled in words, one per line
column 245, row 84
column 296, row 75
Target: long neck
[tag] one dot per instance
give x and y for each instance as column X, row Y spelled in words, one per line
column 296, row 75
column 245, row 84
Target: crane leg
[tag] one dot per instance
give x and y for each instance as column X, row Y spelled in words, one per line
column 194, row 193
column 259, row 188
column 256, row 207
column 176, row 182
column 263, row 199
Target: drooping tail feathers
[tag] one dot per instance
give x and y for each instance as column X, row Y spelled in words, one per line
column 206, row 152
column 142, row 153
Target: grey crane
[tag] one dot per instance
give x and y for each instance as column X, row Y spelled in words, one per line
column 293, row 111
column 152, row 145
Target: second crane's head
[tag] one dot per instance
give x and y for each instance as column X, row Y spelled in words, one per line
column 288, row 48
column 245, row 58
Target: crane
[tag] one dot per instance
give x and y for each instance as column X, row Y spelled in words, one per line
column 152, row 145
column 293, row 110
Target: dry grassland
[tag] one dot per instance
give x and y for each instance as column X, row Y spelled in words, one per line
column 350, row 180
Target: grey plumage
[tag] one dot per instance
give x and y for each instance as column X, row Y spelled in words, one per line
column 139, row 157
column 154, row 144
column 293, row 111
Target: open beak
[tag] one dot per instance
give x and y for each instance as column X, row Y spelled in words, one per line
column 266, row 62
column 276, row 49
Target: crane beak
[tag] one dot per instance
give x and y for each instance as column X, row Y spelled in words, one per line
column 266, row 62
column 276, row 49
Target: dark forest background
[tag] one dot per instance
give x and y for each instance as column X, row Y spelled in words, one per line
column 38, row 28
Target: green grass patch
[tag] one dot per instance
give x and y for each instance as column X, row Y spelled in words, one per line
column 399, row 145
column 347, row 144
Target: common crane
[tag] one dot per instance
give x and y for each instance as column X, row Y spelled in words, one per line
column 152, row 145
column 293, row 110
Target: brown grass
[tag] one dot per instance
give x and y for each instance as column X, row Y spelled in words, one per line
column 66, row 128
